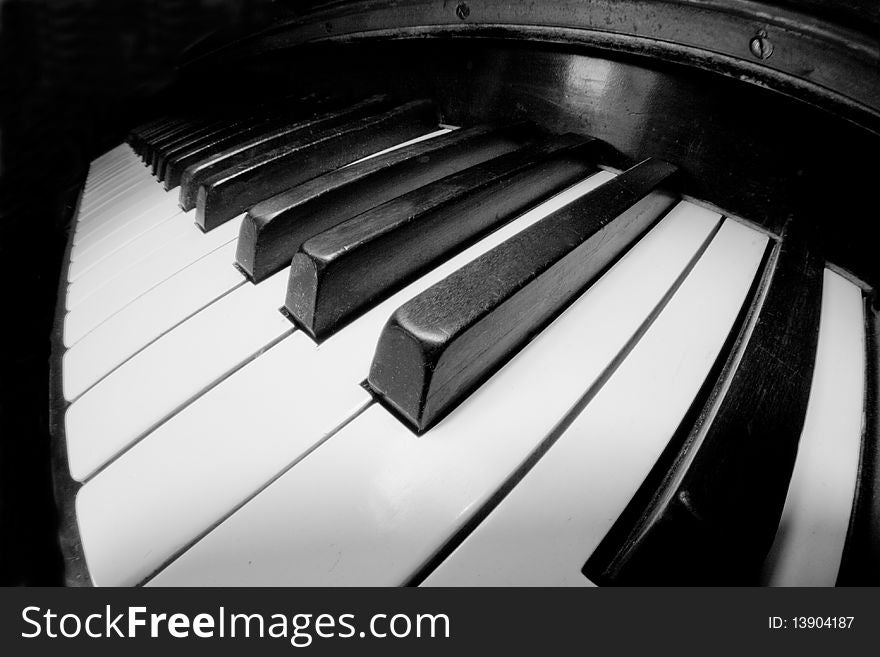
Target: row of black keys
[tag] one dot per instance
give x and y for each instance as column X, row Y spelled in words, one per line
column 353, row 236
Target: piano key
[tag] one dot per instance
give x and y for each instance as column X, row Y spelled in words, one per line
column 340, row 272
column 115, row 155
column 812, row 530
column 119, row 174
column 232, row 191
column 88, row 307
column 162, row 308
column 438, row 347
column 212, row 343
column 161, row 152
column 115, row 192
column 135, row 221
column 151, row 267
column 274, row 229
column 147, row 126
column 139, row 135
column 252, row 442
column 272, row 118
column 160, row 140
column 177, row 163
column 198, row 144
column 111, row 213
column 193, row 177
column 140, row 394
column 100, row 175
column 721, row 488
column 559, row 509
column 94, row 273
column 377, row 500
column 860, row 563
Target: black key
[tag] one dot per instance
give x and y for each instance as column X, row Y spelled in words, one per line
column 196, row 139
column 274, row 229
column 177, row 163
column 259, row 144
column 344, row 270
column 231, row 192
column 439, row 346
column 860, row 563
column 160, row 143
column 187, row 148
column 721, row 486
column 149, row 127
column 139, row 135
column 146, row 149
column 159, row 152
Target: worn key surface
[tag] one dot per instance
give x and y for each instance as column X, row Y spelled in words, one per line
column 723, row 481
column 274, row 230
column 235, row 190
column 345, row 269
column 440, row 345
column 256, row 145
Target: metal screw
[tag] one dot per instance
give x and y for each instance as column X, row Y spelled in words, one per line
column 462, row 11
column 760, row 45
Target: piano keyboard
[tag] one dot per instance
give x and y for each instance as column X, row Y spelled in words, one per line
column 496, row 363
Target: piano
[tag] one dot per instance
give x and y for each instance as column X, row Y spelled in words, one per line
column 487, row 294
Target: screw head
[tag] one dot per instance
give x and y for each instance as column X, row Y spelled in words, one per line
column 760, row 46
column 462, row 10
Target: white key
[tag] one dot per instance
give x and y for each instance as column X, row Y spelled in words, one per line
column 374, row 502
column 94, row 273
column 129, row 181
column 88, row 254
column 155, row 382
column 118, row 159
column 148, row 317
column 119, row 200
column 812, row 531
column 115, row 154
column 130, row 222
column 240, row 434
column 164, row 263
column 122, row 174
column 543, row 531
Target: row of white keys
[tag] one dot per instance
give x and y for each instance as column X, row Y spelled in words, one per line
column 129, row 207
column 105, row 204
column 812, row 531
column 106, row 162
column 96, row 200
column 213, row 455
column 110, row 165
column 543, row 531
column 371, row 504
column 122, row 171
column 146, row 318
column 89, row 307
column 94, row 272
column 131, row 227
column 170, row 372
